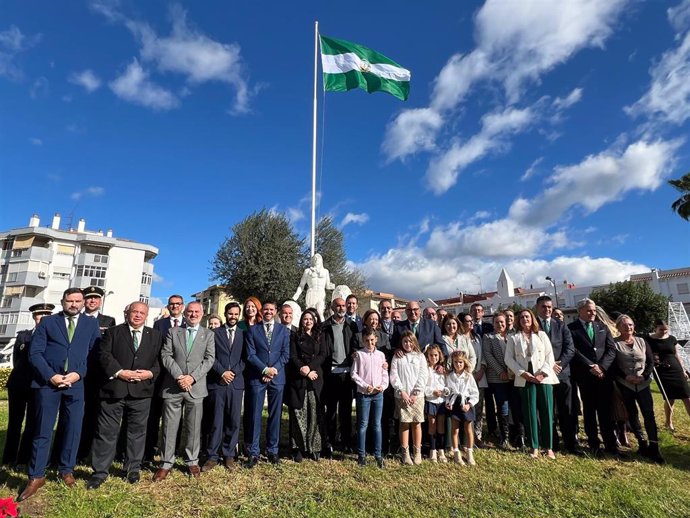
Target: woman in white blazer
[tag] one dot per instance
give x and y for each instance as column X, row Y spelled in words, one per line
column 530, row 357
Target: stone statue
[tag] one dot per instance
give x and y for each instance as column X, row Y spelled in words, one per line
column 319, row 280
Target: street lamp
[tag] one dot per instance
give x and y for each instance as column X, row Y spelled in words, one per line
column 111, row 292
column 555, row 292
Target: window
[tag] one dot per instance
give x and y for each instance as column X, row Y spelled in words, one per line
column 91, row 271
column 3, row 330
column 103, row 259
column 144, row 299
column 146, row 279
column 61, row 275
column 12, row 277
column 65, row 249
column 7, row 244
column 683, row 288
column 17, row 253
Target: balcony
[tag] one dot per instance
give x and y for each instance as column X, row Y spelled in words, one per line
column 92, row 259
column 39, row 279
column 34, row 253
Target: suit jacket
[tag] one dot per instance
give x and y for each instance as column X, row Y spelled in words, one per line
column 165, row 324
column 485, row 329
column 350, row 339
column 261, row 354
column 304, row 352
column 601, row 352
column 542, row 357
column 177, row 361
column 562, row 345
column 104, row 321
column 357, row 321
column 117, row 353
column 428, row 333
column 22, row 372
column 229, row 357
column 50, row 348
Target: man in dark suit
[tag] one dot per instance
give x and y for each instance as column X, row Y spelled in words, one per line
column 187, row 356
column 351, row 305
column 426, row 331
column 93, row 300
column 287, row 317
column 387, row 324
column 128, row 363
column 162, row 325
column 594, row 354
column 268, row 351
column 225, row 383
column 480, row 327
column 59, row 352
column 563, row 352
column 19, row 396
column 342, row 340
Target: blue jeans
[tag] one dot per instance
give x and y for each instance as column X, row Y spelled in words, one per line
column 366, row 405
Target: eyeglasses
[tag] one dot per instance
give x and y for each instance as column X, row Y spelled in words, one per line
column 467, row 321
column 175, row 304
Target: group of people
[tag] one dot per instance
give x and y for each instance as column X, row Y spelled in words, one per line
column 523, row 376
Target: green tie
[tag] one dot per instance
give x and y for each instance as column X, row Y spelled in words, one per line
column 135, row 339
column 547, row 325
column 70, row 329
column 590, row 331
column 414, row 328
column 190, row 338
column 269, row 333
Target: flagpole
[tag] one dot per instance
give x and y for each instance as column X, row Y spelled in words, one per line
column 313, row 143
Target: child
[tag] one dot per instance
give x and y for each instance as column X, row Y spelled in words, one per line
column 463, row 395
column 370, row 374
column 408, row 379
column 434, row 406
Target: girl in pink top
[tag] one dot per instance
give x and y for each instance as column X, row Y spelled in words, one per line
column 370, row 373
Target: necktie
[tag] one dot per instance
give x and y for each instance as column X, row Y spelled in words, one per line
column 175, row 322
column 231, row 335
column 414, row 328
column 590, row 331
column 70, row 329
column 477, row 329
column 269, row 333
column 547, row 325
column 135, row 339
column 190, row 338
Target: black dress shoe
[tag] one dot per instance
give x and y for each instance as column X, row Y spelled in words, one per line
column 253, row 461
column 133, row 477
column 274, row 459
column 328, row 452
column 297, row 456
column 380, row 463
column 94, row 483
column 361, row 461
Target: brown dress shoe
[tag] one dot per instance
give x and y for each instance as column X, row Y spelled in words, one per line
column 230, row 462
column 209, row 465
column 194, row 470
column 31, row 488
column 161, row 474
column 68, row 479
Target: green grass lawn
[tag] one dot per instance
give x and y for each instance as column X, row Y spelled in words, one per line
column 502, row 484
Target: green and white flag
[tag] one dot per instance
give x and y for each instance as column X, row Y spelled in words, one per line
column 347, row 65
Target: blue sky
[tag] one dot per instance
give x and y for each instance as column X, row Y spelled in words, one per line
column 538, row 135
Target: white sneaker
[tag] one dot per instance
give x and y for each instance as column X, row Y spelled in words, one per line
column 433, row 456
column 442, row 456
column 470, row 458
column 457, row 458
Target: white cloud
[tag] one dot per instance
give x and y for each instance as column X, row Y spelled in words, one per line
column 572, row 98
column 443, row 171
column 479, row 215
column 36, row 141
column 157, row 277
column 188, row 52
column 351, row 217
column 532, row 169
column 135, row 86
column 597, row 180
column 668, row 97
column 516, row 42
column 86, row 79
column 13, row 42
column 90, row 192
column 679, row 16
column 40, row 88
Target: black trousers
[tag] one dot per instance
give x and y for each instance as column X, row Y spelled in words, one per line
column 563, row 399
column 338, row 396
column 110, row 417
column 222, row 409
column 643, row 398
column 20, row 405
column 596, row 397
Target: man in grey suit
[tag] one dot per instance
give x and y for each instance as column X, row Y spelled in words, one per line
column 187, row 356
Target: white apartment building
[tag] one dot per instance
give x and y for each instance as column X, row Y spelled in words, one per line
column 38, row 263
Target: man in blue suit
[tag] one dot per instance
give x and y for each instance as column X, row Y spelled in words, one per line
column 59, row 352
column 426, row 331
column 225, row 383
column 268, row 351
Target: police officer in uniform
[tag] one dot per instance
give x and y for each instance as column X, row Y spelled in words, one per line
column 19, row 394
